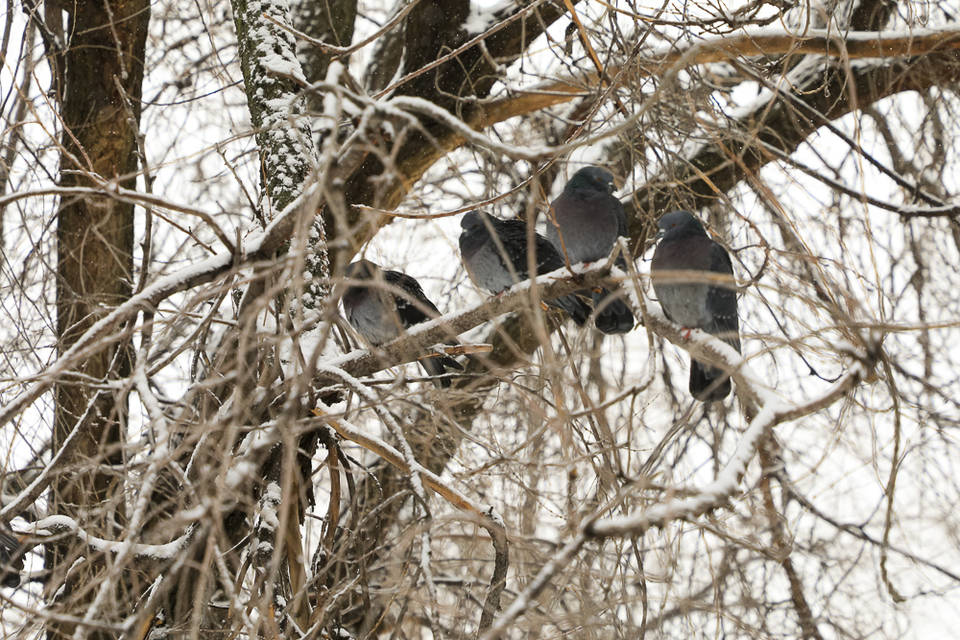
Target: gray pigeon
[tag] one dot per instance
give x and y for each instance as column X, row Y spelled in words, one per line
column 696, row 304
column 584, row 223
column 381, row 313
column 488, row 264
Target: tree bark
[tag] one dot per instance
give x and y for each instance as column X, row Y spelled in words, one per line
column 329, row 21
column 101, row 112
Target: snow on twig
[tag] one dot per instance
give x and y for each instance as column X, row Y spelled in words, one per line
column 485, row 516
column 416, row 471
column 60, row 523
column 271, row 75
column 422, row 477
column 533, row 154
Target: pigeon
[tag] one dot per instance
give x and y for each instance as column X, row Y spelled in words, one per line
column 486, row 258
column 696, row 304
column 11, row 558
column 584, row 223
column 391, row 305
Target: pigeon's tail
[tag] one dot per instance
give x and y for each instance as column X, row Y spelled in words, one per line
column 613, row 313
column 708, row 384
column 11, row 559
column 576, row 307
column 438, row 367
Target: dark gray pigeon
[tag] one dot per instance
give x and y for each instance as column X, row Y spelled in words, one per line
column 392, row 303
column 11, row 558
column 497, row 270
column 584, row 223
column 684, row 245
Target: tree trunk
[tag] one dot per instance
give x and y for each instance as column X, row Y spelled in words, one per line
column 101, row 113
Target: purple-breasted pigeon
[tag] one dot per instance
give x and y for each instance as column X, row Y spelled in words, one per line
column 392, row 303
column 487, row 259
column 696, row 303
column 584, row 223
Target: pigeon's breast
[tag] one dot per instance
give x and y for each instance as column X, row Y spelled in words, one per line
column 488, row 268
column 588, row 226
column 686, row 304
column 680, row 285
column 374, row 322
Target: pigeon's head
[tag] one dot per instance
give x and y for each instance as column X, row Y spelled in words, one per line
column 679, row 223
column 591, row 179
column 362, row 270
column 472, row 220
column 357, row 274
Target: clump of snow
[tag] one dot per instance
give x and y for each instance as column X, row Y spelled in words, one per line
column 482, row 18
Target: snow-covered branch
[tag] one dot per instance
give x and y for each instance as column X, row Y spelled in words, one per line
column 754, row 42
column 111, row 189
column 427, row 108
column 268, row 58
column 384, row 450
column 772, row 411
column 727, row 482
column 54, row 525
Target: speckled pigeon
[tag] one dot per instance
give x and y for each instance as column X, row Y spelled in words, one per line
column 381, row 313
column 585, row 221
column 487, row 266
column 697, row 304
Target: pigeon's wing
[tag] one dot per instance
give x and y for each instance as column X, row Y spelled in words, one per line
column 513, row 236
column 621, row 217
column 414, row 307
column 722, row 301
column 548, row 258
column 11, row 559
column 410, row 310
column 622, row 231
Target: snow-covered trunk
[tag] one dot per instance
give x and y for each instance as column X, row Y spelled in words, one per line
column 259, row 536
column 272, row 78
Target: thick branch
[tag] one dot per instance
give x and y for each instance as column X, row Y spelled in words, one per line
column 329, row 21
column 913, row 63
column 101, row 118
column 420, row 151
column 270, row 67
